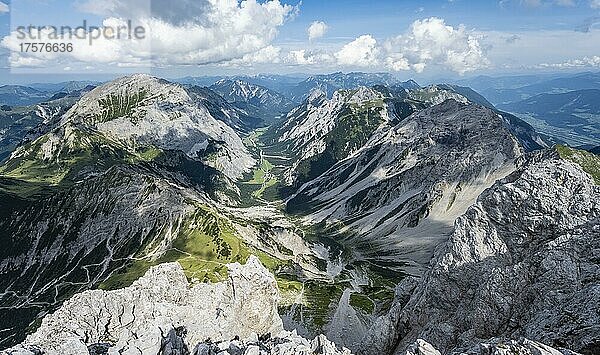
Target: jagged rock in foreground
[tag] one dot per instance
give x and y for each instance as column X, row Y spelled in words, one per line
column 494, row 347
column 421, row 347
column 286, row 343
column 162, row 314
column 524, row 261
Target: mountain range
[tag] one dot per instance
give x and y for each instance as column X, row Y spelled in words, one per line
column 502, row 90
column 331, row 214
column 563, row 107
column 573, row 116
column 255, row 100
column 19, row 95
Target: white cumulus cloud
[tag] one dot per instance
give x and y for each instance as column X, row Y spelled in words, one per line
column 432, row 42
column 301, row 57
column 427, row 42
column 102, row 49
column 316, row 30
column 197, row 32
column 308, row 57
column 593, row 61
column 363, row 52
column 267, row 55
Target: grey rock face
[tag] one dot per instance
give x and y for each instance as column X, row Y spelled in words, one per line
column 493, row 347
column 162, row 314
column 284, row 343
column 400, row 194
column 421, row 347
column 524, row 261
column 383, row 335
column 161, row 311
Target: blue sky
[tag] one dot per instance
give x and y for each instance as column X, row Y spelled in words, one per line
column 385, row 18
column 420, row 39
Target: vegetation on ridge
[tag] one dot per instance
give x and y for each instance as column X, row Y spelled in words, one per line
column 119, row 105
column 204, row 244
column 589, row 162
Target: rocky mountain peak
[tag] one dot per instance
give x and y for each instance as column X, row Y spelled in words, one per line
column 253, row 99
column 238, row 89
column 144, row 111
column 410, row 84
column 411, row 181
column 162, row 313
column 363, row 94
column 316, row 96
column 436, row 94
column 521, row 262
column 132, row 93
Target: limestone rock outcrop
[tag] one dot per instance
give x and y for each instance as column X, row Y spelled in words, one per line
column 523, row 262
column 522, row 346
column 161, row 313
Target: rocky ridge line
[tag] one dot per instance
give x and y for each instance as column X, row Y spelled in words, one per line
column 523, row 262
column 522, row 346
column 161, row 313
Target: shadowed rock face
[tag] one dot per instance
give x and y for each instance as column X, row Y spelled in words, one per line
column 524, row 261
column 162, row 314
column 286, row 343
column 74, row 239
column 400, row 194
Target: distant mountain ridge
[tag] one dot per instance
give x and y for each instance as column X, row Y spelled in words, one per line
column 255, row 100
column 30, row 94
column 297, row 87
column 503, row 90
column 329, row 83
column 278, row 83
column 571, row 116
column 562, row 107
column 17, row 95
